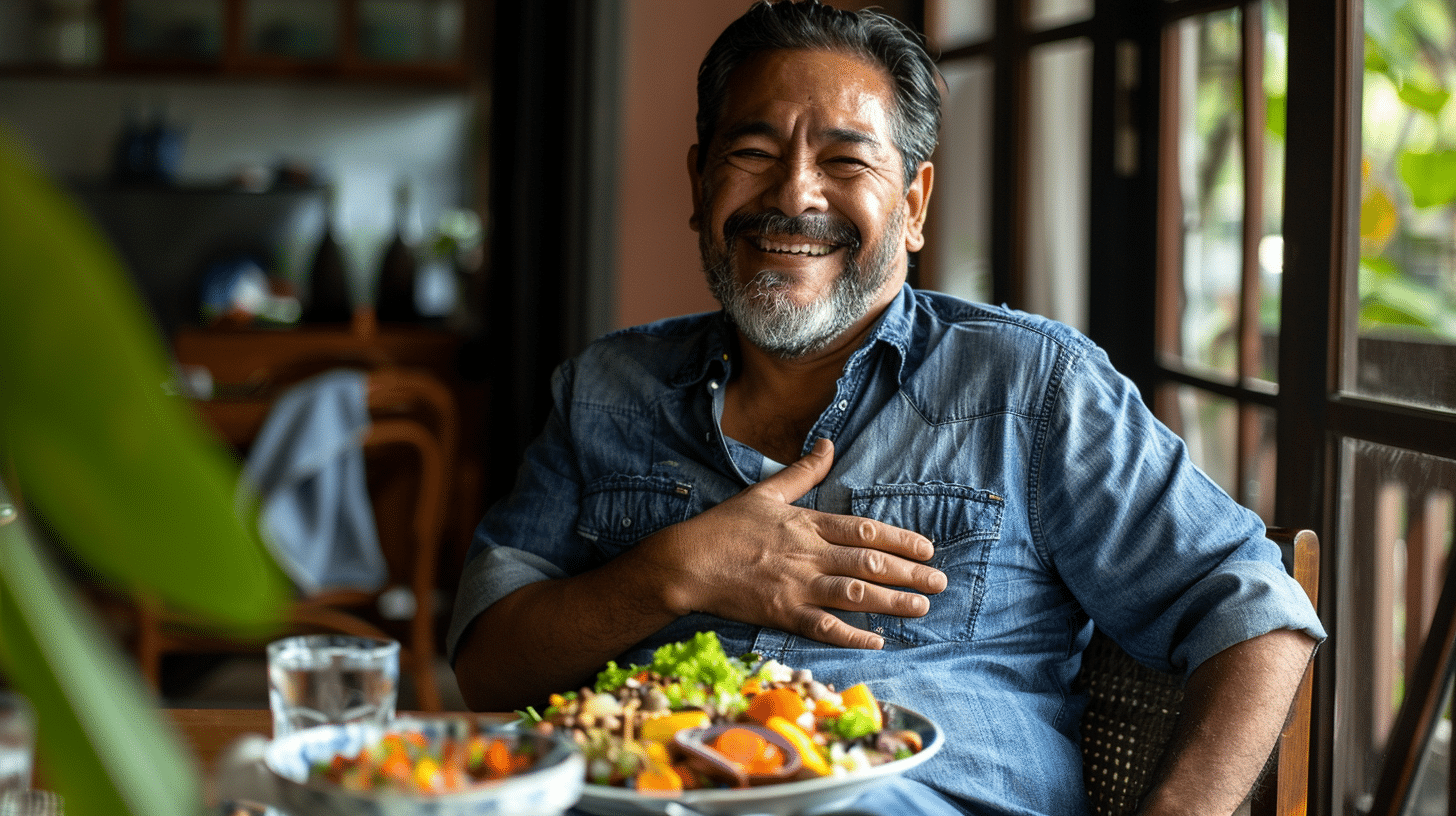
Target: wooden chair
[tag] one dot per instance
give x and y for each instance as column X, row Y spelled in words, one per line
column 407, row 450
column 1131, row 710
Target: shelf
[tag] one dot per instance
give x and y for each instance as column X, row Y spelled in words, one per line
column 400, row 41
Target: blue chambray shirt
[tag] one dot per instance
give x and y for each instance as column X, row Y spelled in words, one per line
column 1051, row 493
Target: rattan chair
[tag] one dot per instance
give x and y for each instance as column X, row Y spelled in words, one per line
column 1131, row 710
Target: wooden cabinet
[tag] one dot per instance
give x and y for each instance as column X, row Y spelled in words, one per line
column 422, row 41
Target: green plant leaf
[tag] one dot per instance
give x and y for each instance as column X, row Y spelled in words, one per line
column 1422, row 97
column 1430, row 177
column 127, row 476
column 1275, row 114
column 102, row 743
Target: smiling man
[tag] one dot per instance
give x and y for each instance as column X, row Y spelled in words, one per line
column 877, row 484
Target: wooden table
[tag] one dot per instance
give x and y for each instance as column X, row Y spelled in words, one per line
column 209, row 731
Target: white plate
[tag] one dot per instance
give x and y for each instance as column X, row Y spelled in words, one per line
column 789, row 799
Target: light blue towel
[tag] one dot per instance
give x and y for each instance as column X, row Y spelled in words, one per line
column 307, row 468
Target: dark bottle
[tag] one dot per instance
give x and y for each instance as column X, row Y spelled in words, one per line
column 328, row 283
column 395, row 300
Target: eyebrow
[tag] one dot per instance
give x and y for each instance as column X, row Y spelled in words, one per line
column 759, row 127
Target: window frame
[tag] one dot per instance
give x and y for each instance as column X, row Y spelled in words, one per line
column 1313, row 415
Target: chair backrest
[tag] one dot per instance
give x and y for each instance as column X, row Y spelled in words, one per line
column 1131, row 710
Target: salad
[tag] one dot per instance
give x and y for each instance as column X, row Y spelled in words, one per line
column 696, row 718
column 410, row 762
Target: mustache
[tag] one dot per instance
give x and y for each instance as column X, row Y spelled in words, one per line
column 819, row 227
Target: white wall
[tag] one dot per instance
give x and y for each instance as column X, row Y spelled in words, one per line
column 364, row 138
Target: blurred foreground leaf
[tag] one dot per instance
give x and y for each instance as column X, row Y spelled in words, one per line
column 102, row 744
column 126, row 475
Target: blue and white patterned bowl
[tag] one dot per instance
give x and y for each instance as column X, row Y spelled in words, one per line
column 276, row 774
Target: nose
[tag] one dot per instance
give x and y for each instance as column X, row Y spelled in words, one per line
column 797, row 188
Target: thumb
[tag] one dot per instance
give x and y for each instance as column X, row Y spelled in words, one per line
column 799, row 478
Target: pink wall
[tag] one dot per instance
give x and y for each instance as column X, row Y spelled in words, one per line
column 658, row 271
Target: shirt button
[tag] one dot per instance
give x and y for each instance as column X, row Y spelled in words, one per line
column 713, row 384
column 844, row 405
column 626, row 522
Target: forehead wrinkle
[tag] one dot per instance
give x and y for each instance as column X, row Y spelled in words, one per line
column 760, row 127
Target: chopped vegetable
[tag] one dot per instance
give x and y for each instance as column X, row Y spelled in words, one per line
column 809, row 753
column 628, row 724
column 749, row 751
column 662, row 729
column 410, row 762
column 777, row 702
column 859, row 696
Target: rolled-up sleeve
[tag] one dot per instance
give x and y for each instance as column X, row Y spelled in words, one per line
column 1158, row 555
column 528, row 536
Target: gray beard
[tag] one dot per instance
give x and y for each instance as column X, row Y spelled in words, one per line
column 765, row 315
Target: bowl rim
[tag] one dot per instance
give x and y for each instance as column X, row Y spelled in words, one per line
column 561, row 756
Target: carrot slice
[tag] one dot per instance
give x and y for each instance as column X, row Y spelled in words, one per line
column 498, row 759
column 660, row 781
column 779, row 702
column 749, row 750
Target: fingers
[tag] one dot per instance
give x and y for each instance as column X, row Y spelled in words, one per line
column 793, row 482
column 854, row 531
column 817, row 624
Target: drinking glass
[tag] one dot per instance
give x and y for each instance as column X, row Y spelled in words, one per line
column 321, row 679
column 17, row 741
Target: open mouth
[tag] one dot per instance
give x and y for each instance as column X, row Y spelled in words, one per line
column 798, row 246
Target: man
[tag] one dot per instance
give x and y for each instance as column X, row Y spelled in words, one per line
column 873, row 483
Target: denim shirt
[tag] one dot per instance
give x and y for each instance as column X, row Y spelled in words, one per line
column 1052, row 495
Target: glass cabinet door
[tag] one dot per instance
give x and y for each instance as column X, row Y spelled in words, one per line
column 409, row 31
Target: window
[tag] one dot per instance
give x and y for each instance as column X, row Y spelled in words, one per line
column 1251, row 204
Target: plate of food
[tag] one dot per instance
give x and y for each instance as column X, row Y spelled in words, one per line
column 697, row 731
column 443, row 765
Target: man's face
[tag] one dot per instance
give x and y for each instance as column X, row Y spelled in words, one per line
column 802, row 213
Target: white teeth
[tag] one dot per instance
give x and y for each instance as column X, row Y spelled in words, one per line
column 812, row 250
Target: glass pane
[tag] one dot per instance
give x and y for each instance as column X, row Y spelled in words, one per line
column 954, row 23
column 1257, row 487
column 284, row 28
column 1209, row 425
column 1044, row 14
column 1271, row 241
column 410, row 30
column 1210, row 188
column 962, row 198
column 1406, row 321
column 1056, row 214
column 174, row 29
column 1429, row 789
column 1396, row 533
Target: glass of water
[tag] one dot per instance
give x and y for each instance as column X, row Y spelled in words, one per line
column 321, row 679
column 17, row 741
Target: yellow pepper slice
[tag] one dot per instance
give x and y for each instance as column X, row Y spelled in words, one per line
column 809, row 753
column 859, row 696
column 661, row 729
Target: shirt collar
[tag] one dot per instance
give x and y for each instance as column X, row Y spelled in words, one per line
column 714, row 357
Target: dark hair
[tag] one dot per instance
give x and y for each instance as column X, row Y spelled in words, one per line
column 870, row 35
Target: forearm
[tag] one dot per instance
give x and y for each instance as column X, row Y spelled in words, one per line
column 555, row 635
column 1235, row 706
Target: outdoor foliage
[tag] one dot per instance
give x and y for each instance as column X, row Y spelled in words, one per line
column 1408, row 203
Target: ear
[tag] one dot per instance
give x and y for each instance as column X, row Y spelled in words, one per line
column 917, row 205
column 695, row 221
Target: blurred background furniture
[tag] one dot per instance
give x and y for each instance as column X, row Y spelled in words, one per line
column 1131, row 711
column 408, row 450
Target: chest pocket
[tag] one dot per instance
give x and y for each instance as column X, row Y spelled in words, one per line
column 621, row 509
column 963, row 523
